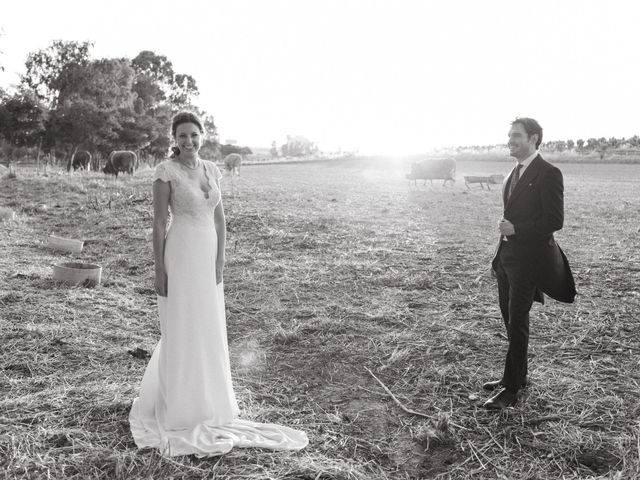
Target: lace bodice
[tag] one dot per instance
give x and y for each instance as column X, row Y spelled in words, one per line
column 188, row 201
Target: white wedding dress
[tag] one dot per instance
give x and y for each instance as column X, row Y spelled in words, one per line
column 186, row 403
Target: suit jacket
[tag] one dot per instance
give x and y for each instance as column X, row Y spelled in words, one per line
column 536, row 210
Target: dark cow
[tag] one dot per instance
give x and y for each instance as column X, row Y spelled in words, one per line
column 436, row 169
column 121, row 161
column 81, row 160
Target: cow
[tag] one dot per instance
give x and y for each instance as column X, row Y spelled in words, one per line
column 121, row 161
column 436, row 169
column 232, row 163
column 81, row 160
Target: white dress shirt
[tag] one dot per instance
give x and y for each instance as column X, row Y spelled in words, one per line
column 525, row 163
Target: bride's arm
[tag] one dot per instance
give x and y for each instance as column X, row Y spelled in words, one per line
column 161, row 193
column 221, row 230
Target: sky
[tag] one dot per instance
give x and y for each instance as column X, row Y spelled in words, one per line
column 376, row 76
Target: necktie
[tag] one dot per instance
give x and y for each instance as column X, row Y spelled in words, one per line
column 514, row 179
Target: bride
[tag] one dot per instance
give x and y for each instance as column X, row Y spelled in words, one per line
column 186, row 403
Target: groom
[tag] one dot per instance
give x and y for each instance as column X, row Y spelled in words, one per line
column 528, row 262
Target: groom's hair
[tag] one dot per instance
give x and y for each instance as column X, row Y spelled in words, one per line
column 531, row 126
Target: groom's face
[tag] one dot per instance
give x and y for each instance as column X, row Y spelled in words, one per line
column 520, row 144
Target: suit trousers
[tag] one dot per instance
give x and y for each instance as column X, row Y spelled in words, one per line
column 516, row 290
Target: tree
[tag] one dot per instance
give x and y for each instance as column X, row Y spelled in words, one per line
column 274, row 150
column 570, row 144
column 153, row 77
column 132, row 133
column 183, row 91
column 211, row 146
column 159, row 94
column 298, row 146
column 81, row 123
column 227, row 149
column 160, row 138
column 22, row 119
column 1, row 53
column 157, row 82
column 95, row 109
column 592, row 144
column 580, row 144
column 46, row 69
column 112, row 103
column 209, row 126
column 108, row 82
column 602, row 146
column 156, row 67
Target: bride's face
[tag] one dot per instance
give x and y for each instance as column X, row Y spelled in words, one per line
column 188, row 138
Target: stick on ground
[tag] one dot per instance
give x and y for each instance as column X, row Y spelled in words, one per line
column 398, row 402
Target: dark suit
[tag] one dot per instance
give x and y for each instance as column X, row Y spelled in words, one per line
column 530, row 263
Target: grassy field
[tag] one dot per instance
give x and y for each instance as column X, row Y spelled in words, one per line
column 341, row 277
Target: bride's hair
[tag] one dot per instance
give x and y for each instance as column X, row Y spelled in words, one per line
column 179, row 119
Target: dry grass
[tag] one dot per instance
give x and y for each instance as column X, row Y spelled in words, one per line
column 333, row 268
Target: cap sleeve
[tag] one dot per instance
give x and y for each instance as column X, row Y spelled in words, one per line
column 162, row 172
column 216, row 171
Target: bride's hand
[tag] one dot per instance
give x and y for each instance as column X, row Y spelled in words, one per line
column 219, row 269
column 161, row 284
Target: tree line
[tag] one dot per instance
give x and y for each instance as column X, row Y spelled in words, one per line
column 602, row 146
column 66, row 102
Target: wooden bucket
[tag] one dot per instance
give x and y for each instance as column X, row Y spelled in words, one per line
column 65, row 244
column 74, row 273
column 475, row 179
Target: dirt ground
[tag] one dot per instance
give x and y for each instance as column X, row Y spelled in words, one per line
column 336, row 272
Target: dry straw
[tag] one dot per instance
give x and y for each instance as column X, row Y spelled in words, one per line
column 353, row 302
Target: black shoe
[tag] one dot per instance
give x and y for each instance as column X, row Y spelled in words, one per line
column 493, row 384
column 503, row 399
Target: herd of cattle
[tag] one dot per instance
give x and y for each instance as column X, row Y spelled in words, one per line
column 445, row 169
column 125, row 161
column 118, row 161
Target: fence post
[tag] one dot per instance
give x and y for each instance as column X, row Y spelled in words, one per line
column 38, row 158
